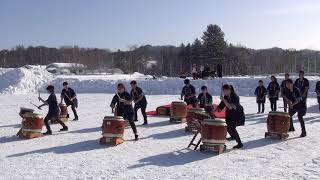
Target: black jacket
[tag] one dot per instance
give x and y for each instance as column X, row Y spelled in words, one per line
column 273, row 90
column 261, row 93
column 124, row 110
column 68, row 94
column 234, row 116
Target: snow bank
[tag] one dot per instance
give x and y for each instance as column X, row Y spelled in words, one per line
column 22, row 80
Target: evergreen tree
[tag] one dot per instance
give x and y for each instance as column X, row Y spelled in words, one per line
column 214, row 43
column 196, row 51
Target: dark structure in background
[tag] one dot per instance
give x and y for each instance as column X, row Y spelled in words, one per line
column 211, row 49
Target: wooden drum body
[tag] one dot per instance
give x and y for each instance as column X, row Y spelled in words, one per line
column 31, row 125
column 213, row 135
column 278, row 124
column 193, row 116
column 63, row 112
column 112, row 130
column 213, row 132
column 178, row 112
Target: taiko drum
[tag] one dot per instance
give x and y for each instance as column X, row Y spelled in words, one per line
column 63, row 110
column 113, row 127
column 278, row 122
column 213, row 132
column 32, row 123
column 178, row 110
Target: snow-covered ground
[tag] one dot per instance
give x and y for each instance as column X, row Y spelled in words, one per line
column 159, row 154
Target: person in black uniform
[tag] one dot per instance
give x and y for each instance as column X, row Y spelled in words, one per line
column 70, row 98
column 303, row 85
column 53, row 112
column 296, row 105
column 273, row 93
column 283, row 89
column 189, row 93
column 205, row 100
column 140, row 101
column 317, row 90
column 219, row 70
column 234, row 113
column 122, row 101
column 260, row 93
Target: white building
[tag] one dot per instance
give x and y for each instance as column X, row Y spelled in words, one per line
column 66, row 68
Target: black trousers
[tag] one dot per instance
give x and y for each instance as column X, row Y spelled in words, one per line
column 261, row 107
column 48, row 118
column 143, row 108
column 285, row 105
column 129, row 117
column 301, row 112
column 273, row 103
column 232, row 130
column 74, row 105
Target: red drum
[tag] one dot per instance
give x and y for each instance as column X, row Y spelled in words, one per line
column 32, row 123
column 278, row 122
column 213, row 132
column 63, row 110
column 193, row 115
column 178, row 111
column 24, row 111
column 113, row 127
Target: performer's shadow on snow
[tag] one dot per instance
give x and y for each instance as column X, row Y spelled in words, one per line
column 262, row 142
column 89, row 145
column 256, row 119
column 169, row 134
column 11, row 126
column 87, row 130
column 175, row 158
column 8, row 139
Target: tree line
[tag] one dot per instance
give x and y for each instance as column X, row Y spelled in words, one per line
column 210, row 49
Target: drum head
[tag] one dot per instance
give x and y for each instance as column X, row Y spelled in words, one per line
column 201, row 110
column 113, row 118
column 278, row 113
column 26, row 109
column 178, row 102
column 32, row 115
column 218, row 122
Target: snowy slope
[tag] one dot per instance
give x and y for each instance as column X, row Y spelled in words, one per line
column 161, row 152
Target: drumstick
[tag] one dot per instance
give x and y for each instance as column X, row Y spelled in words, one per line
column 34, row 104
column 67, row 96
column 39, row 95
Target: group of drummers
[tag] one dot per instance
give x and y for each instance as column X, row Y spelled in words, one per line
column 294, row 96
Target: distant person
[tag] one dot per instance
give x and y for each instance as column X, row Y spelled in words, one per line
column 206, row 71
column 317, row 90
column 122, row 101
column 273, row 93
column 261, row 93
column 205, row 100
column 234, row 113
column 70, row 98
column 140, row 101
column 53, row 112
column 283, row 89
column 219, row 70
column 296, row 105
column 188, row 93
column 303, row 85
column 194, row 72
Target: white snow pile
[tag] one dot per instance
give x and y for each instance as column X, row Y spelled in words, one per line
column 22, row 80
column 26, row 80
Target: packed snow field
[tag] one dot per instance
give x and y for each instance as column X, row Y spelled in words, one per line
column 160, row 153
column 23, row 81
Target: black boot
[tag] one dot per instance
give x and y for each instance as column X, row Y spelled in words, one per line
column 64, row 128
column 231, row 139
column 291, row 129
column 145, row 123
column 49, row 132
column 303, row 133
column 238, row 146
column 136, row 137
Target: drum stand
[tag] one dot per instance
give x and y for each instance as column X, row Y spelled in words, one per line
column 28, row 135
column 217, row 148
column 110, row 141
column 276, row 135
column 177, row 120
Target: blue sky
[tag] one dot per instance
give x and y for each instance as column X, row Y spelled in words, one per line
column 117, row 24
